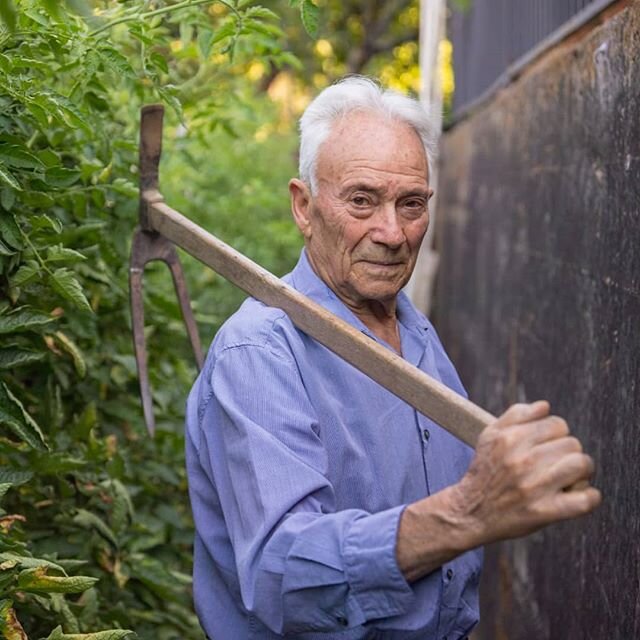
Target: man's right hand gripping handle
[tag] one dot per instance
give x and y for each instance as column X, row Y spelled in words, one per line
column 528, row 472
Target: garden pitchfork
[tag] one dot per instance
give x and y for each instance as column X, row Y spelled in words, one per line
column 161, row 227
column 149, row 245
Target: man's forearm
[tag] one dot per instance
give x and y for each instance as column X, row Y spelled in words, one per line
column 526, row 474
column 432, row 532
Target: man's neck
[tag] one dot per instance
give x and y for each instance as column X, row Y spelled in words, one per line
column 379, row 316
column 381, row 320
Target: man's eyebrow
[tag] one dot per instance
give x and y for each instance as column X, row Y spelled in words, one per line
column 362, row 186
column 416, row 192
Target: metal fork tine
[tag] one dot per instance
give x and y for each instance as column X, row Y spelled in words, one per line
column 149, row 245
column 136, row 271
column 180, row 284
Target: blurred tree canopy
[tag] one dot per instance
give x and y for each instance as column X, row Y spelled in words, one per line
column 379, row 37
column 95, row 528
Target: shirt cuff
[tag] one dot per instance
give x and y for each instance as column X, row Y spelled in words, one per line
column 377, row 587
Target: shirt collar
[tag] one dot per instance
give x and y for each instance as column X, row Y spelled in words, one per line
column 306, row 280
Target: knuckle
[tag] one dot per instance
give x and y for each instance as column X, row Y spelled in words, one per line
column 586, row 502
column 504, row 442
column 513, row 414
column 526, row 487
column 515, row 465
column 559, row 425
column 519, row 410
column 573, row 444
column 588, row 464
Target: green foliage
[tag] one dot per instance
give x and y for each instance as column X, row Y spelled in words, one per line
column 95, row 529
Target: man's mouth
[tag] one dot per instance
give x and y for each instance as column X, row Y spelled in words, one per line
column 384, row 263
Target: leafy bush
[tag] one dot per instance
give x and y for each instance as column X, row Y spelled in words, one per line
column 95, row 529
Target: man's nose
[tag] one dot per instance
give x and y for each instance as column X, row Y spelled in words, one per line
column 388, row 229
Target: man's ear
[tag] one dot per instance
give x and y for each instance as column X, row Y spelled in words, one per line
column 301, row 206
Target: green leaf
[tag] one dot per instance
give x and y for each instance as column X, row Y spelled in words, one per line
column 115, row 61
column 61, row 177
column 38, row 581
column 27, row 562
column 65, row 283
column 122, row 506
column 60, row 606
column 112, row 634
column 30, row 63
column 25, row 273
column 9, row 230
column 14, row 356
column 52, row 7
column 37, row 17
column 154, row 575
column 205, row 41
column 8, row 178
column 5, row 251
column 8, row 14
column 85, row 422
column 23, row 319
column 7, row 198
column 58, row 253
column 58, row 462
column 88, row 520
column 227, row 30
column 44, row 221
column 261, row 12
column 14, row 156
column 39, row 113
column 310, row 15
column 14, row 415
column 72, row 349
column 159, row 61
column 4, row 487
column 10, row 626
column 14, row 477
column 169, row 97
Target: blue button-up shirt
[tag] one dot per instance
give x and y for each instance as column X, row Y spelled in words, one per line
column 299, row 469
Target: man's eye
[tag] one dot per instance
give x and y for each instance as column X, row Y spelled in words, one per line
column 360, row 201
column 414, row 207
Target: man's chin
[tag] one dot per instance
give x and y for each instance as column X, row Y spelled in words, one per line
column 380, row 291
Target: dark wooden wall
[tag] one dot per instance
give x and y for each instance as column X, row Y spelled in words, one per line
column 539, row 297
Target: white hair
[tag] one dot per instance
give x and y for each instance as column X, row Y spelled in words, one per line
column 357, row 93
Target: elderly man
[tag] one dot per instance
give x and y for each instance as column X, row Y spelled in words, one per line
column 325, row 507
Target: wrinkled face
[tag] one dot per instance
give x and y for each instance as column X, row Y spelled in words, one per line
column 364, row 226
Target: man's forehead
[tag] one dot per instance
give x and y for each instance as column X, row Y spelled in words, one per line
column 368, row 140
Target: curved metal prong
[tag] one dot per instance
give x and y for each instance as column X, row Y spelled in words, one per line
column 136, row 270
column 148, row 246
column 180, row 285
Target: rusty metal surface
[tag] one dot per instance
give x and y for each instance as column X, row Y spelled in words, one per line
column 147, row 246
column 539, row 296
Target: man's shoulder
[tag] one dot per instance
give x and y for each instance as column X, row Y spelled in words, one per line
column 254, row 324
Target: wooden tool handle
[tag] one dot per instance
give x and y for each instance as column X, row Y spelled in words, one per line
column 459, row 416
column 149, row 154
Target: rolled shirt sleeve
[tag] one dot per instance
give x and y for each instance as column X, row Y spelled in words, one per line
column 302, row 565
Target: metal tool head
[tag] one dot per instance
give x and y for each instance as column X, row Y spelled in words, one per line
column 149, row 245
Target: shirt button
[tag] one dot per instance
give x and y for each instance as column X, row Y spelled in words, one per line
column 449, row 574
column 426, row 435
column 342, row 621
